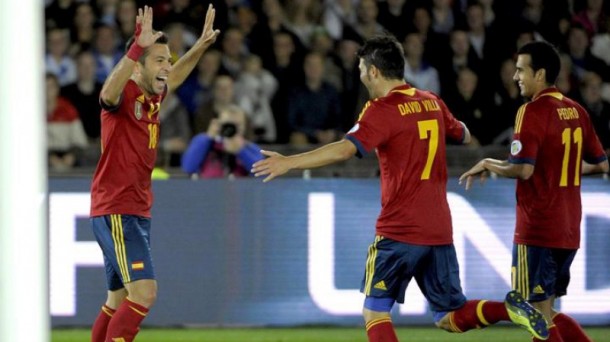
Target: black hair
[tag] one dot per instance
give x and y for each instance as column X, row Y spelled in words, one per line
column 545, row 56
column 162, row 40
column 386, row 54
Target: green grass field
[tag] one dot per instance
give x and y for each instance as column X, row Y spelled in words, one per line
column 315, row 334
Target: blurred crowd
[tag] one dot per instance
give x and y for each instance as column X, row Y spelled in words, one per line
column 291, row 65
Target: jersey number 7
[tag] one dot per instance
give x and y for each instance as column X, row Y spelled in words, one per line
column 428, row 129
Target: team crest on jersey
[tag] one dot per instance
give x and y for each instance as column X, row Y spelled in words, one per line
column 138, row 110
column 515, row 147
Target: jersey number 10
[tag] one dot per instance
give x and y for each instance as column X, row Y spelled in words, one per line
column 566, row 140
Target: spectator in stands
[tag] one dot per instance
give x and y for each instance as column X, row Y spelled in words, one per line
column 234, row 52
column 180, row 39
column 106, row 51
column 592, row 17
column 223, row 150
column 597, row 107
column 82, row 30
column 337, row 14
column 223, row 96
column 66, row 137
column 549, row 20
column 461, row 56
column 245, row 19
column 353, row 93
column 567, row 80
column 393, row 14
column 187, row 12
column 507, row 100
column 57, row 59
column 302, row 17
column 322, row 43
column 444, row 18
column 57, row 11
column 366, row 25
column 483, row 40
column 126, row 11
column 582, row 58
column 288, row 71
column 176, row 132
column 600, row 43
column 470, row 106
column 84, row 94
column 418, row 72
column 436, row 45
column 259, row 86
column 269, row 25
column 197, row 89
column 314, row 111
column 107, row 11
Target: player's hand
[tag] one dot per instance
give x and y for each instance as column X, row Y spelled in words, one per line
column 145, row 36
column 273, row 166
column 209, row 34
column 477, row 170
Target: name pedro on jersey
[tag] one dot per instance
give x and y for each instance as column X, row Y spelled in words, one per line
column 569, row 113
column 412, row 107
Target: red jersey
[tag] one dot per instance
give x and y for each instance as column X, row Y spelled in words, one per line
column 64, row 111
column 407, row 128
column 130, row 133
column 555, row 134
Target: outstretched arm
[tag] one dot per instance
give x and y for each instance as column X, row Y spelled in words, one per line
column 144, row 37
column 499, row 167
column 276, row 164
column 186, row 63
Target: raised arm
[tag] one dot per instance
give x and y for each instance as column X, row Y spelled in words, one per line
column 144, row 37
column 186, row 63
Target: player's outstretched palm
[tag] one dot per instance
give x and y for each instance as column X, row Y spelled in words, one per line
column 209, row 34
column 145, row 36
column 275, row 165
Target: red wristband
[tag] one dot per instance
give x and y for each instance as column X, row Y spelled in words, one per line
column 135, row 52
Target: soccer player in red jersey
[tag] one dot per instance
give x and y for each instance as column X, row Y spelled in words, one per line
column 554, row 143
column 121, row 195
column 407, row 129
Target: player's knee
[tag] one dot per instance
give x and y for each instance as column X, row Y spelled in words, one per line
column 143, row 292
column 375, row 308
column 145, row 298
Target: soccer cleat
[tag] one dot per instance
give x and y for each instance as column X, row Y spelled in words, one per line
column 525, row 315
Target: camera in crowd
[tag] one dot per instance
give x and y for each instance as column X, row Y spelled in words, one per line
column 228, row 130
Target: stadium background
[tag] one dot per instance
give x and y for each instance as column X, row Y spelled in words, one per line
column 235, row 253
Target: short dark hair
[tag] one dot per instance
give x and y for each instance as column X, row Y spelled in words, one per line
column 162, row 40
column 386, row 54
column 545, row 56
